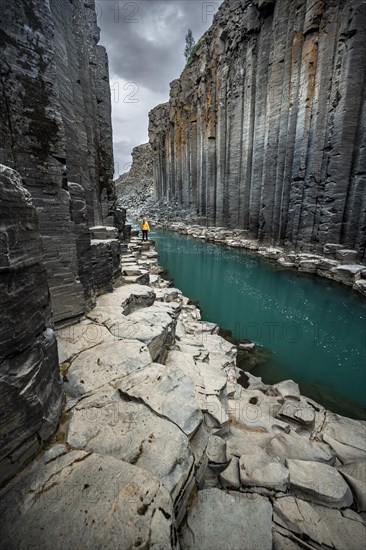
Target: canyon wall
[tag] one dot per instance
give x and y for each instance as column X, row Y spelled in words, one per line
column 30, row 383
column 265, row 129
column 136, row 187
column 56, row 190
column 55, row 131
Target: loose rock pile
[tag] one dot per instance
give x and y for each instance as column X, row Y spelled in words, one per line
column 160, row 447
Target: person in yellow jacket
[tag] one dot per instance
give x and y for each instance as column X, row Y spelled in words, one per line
column 145, row 228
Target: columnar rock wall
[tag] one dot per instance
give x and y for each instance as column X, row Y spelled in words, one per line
column 30, row 384
column 265, row 129
column 56, row 129
column 136, row 188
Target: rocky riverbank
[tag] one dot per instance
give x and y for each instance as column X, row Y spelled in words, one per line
column 336, row 263
column 160, row 447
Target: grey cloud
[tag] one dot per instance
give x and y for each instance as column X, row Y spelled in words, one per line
column 145, row 43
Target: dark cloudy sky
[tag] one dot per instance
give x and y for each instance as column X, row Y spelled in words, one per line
column 145, row 41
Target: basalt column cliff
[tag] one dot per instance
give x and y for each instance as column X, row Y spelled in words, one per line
column 56, row 168
column 265, row 129
column 56, row 132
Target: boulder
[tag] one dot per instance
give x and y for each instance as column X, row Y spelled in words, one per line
column 346, row 256
column 263, row 471
column 287, row 388
column 126, row 299
column 301, row 412
column 319, row 483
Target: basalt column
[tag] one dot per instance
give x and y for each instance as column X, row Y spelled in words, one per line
column 268, row 119
column 55, row 131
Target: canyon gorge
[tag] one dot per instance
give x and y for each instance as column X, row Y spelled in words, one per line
column 126, row 421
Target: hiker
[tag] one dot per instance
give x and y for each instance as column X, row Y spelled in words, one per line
column 145, row 229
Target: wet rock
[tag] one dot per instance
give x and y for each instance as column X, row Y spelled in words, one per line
column 215, row 520
column 360, row 286
column 319, row 483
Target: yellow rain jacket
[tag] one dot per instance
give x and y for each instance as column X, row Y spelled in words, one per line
column 145, row 226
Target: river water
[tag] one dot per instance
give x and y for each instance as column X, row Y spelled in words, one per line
column 314, row 328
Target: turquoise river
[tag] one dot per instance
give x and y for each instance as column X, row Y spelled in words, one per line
column 314, row 328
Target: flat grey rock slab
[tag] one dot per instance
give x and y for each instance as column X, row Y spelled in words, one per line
column 220, row 520
column 323, row 526
column 154, row 325
column 74, row 339
column 168, row 391
column 263, row 471
column 82, row 500
column 319, row 483
column 127, row 298
column 108, row 424
column 104, row 364
column 293, row 445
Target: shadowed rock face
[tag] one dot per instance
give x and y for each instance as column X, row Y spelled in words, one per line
column 265, row 129
column 30, row 384
column 56, row 129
